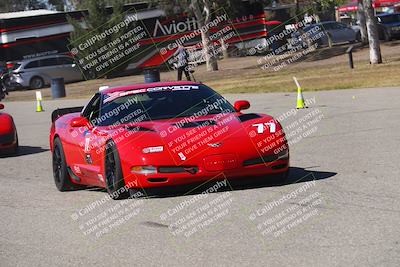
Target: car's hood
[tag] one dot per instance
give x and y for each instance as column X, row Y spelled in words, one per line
column 185, row 138
column 235, row 124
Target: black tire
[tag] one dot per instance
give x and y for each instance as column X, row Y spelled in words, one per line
column 358, row 38
column 113, row 173
column 16, row 148
column 7, row 82
column 36, row 82
column 386, row 36
column 60, row 172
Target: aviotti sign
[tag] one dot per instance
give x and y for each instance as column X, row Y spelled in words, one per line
column 190, row 24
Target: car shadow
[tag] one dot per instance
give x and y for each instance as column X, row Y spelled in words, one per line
column 296, row 175
column 25, row 150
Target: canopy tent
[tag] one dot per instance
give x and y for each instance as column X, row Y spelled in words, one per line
column 352, row 6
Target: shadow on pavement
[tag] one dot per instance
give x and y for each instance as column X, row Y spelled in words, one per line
column 296, row 175
column 25, row 150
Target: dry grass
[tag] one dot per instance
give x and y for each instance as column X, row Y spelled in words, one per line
column 324, row 70
column 328, row 77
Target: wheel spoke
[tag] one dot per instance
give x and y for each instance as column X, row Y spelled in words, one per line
column 57, row 164
column 110, row 175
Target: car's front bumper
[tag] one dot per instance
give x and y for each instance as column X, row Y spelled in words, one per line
column 202, row 175
column 18, row 81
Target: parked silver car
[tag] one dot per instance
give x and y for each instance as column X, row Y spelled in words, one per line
column 330, row 32
column 37, row 72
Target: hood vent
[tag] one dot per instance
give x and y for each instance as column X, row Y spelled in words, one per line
column 249, row 116
column 139, row 129
column 194, row 124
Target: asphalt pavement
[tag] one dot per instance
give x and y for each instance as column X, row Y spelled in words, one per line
column 339, row 207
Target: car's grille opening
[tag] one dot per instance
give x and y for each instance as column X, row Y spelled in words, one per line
column 183, row 169
column 267, row 159
column 249, row 116
column 157, row 180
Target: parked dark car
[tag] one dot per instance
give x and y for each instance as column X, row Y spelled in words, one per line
column 3, row 90
column 328, row 32
column 389, row 26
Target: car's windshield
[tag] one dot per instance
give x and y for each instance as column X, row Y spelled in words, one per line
column 389, row 19
column 161, row 103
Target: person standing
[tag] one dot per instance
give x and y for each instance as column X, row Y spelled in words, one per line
column 182, row 62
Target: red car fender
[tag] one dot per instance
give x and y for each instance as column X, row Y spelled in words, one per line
column 8, row 129
column 7, row 125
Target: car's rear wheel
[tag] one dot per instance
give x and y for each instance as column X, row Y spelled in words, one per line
column 387, row 36
column 16, row 147
column 113, row 172
column 36, row 83
column 60, row 172
column 358, row 38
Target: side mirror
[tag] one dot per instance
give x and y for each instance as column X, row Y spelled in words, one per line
column 241, row 105
column 1, row 106
column 79, row 122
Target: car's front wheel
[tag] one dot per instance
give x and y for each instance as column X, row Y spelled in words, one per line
column 60, row 172
column 36, row 83
column 113, row 172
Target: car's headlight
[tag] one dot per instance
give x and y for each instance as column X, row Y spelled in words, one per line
column 144, row 170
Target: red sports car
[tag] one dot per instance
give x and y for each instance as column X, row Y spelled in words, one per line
column 8, row 134
column 163, row 134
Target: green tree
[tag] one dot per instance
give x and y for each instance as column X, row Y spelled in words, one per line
column 96, row 23
column 20, row 5
column 57, row 4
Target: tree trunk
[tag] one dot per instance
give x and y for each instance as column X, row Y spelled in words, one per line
column 373, row 36
column 224, row 48
column 362, row 21
column 202, row 20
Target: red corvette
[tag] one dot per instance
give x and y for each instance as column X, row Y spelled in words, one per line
column 8, row 134
column 163, row 134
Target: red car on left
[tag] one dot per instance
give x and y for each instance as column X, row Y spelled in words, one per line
column 8, row 133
